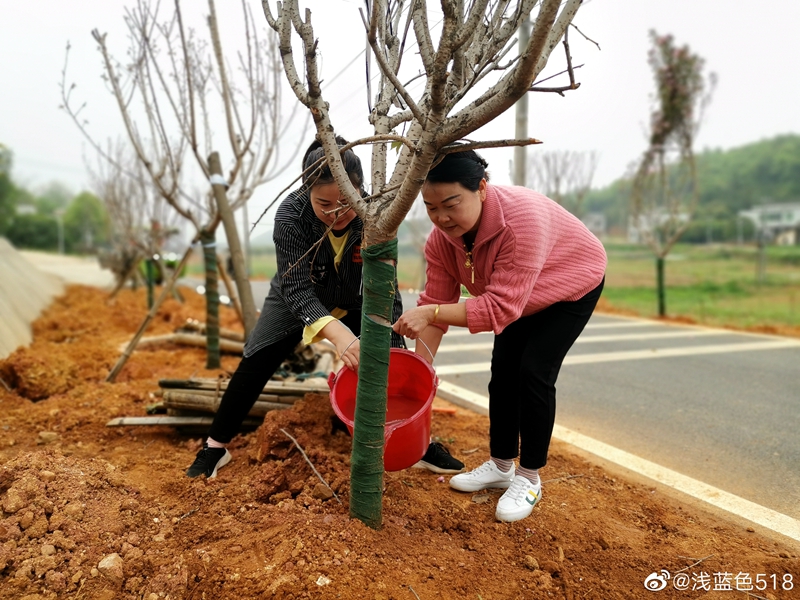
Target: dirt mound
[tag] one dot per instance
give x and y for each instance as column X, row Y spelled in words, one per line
column 65, row 516
column 91, row 512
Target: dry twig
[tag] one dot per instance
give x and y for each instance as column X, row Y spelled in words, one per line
column 693, row 564
column 321, row 478
column 184, row 515
column 586, row 37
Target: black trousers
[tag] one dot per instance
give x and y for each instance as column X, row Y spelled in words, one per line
column 252, row 375
column 526, row 360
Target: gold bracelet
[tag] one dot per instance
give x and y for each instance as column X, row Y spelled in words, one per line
column 435, row 314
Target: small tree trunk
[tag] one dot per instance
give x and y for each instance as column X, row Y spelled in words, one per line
column 761, row 260
column 132, row 344
column 366, row 465
column 129, row 273
column 149, row 273
column 231, row 291
column 660, row 291
column 208, row 240
column 237, row 258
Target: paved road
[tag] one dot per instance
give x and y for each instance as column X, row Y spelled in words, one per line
column 720, row 406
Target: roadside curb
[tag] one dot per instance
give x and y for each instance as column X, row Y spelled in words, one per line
column 24, row 292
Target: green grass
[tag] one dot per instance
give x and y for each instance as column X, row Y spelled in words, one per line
column 715, row 285
column 264, row 265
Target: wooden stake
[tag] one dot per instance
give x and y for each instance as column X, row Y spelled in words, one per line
column 156, row 305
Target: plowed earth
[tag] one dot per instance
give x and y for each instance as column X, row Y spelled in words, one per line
column 93, row 512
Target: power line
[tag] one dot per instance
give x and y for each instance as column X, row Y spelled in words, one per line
column 347, row 66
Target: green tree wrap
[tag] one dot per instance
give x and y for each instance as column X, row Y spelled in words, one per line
column 660, row 287
column 366, row 465
column 208, row 239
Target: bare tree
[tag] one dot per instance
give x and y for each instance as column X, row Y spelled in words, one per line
column 141, row 220
column 169, row 93
column 664, row 191
column 563, row 175
column 475, row 52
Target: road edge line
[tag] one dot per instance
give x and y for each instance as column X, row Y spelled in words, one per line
column 730, row 503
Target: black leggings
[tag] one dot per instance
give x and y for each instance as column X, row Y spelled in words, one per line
column 526, row 359
column 252, row 375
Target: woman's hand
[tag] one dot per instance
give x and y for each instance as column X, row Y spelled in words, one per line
column 414, row 321
column 349, row 351
column 347, row 345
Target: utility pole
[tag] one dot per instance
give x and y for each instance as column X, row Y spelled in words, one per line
column 521, row 129
column 60, row 221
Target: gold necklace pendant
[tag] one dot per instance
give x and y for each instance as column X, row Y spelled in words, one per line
column 468, row 263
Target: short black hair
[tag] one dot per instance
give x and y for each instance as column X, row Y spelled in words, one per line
column 467, row 168
column 323, row 175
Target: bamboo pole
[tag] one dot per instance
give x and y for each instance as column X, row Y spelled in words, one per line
column 285, row 399
column 152, row 313
column 189, row 401
column 200, row 327
column 272, row 387
column 190, row 339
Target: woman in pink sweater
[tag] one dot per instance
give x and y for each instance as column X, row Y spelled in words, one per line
column 534, row 273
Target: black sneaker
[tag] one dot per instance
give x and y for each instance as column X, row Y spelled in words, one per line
column 208, row 461
column 439, row 460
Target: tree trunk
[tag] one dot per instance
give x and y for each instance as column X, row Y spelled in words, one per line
column 761, row 259
column 148, row 265
column 237, row 258
column 138, row 335
column 660, row 291
column 366, row 465
column 208, row 240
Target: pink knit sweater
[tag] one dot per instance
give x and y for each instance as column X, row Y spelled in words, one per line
column 529, row 253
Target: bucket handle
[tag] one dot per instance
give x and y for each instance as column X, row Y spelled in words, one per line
column 433, row 358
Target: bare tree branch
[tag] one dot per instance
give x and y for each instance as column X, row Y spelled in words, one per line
column 587, row 38
column 386, row 70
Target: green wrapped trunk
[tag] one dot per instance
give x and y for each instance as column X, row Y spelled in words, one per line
column 366, row 465
column 660, row 287
column 208, row 240
column 148, row 263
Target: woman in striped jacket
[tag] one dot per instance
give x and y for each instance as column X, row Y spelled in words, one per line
column 315, row 295
column 534, row 273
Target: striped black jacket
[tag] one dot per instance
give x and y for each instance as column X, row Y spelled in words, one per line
column 312, row 288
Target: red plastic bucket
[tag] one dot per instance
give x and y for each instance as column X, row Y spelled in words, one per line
column 412, row 386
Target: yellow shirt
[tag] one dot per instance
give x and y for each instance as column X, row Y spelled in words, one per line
column 311, row 332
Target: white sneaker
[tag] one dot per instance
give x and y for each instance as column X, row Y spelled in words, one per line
column 485, row 476
column 518, row 500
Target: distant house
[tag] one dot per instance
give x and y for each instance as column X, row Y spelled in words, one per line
column 26, row 209
column 596, row 223
column 639, row 228
column 779, row 223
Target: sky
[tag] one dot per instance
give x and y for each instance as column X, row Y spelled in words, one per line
column 752, row 47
